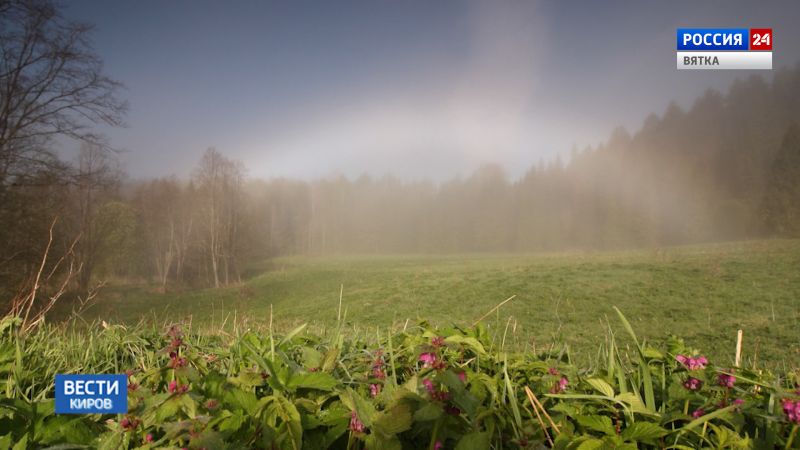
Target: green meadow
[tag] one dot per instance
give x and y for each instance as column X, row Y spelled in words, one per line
column 702, row 293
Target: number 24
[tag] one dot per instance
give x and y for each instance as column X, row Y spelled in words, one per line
column 759, row 39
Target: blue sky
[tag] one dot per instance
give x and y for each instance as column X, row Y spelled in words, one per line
column 418, row 89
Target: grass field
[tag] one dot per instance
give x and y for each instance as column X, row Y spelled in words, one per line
column 701, row 293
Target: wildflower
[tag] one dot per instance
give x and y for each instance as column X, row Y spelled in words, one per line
column 439, row 364
column 441, row 396
column 129, row 424
column 176, row 343
column 174, row 332
column 148, row 438
column 437, row 342
column 177, row 362
column 692, row 384
column 792, row 410
column 553, row 371
column 374, row 390
column 452, row 410
column 560, row 385
column 355, row 424
column 175, row 388
column 427, row 359
column 699, row 412
column 738, row 402
column 436, row 394
column 462, row 376
column 726, row 380
column 438, row 445
column 377, row 366
column 692, row 363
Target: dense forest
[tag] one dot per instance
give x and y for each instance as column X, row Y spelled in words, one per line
column 726, row 168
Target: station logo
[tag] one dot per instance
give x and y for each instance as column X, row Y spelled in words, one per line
column 724, row 48
column 91, row 394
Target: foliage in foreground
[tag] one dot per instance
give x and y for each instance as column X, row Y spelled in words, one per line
column 413, row 389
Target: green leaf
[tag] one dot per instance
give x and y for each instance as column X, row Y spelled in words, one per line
column 468, row 341
column 477, row 440
column 210, row 440
column 646, row 432
column 393, row 421
column 22, row 444
column 634, row 403
column 311, row 357
column 329, row 362
column 292, row 334
column 312, row 380
column 591, row 444
column 363, row 408
column 279, row 413
column 265, row 365
column 427, row 413
column 706, row 418
column 168, row 409
column 647, row 380
column 601, row 386
column 380, row 442
column 189, row 406
column 597, row 423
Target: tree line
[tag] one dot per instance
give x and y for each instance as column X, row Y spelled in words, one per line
column 726, row 168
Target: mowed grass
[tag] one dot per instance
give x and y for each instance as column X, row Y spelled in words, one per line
column 702, row 293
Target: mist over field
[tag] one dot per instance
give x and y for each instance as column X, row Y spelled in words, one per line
column 481, row 137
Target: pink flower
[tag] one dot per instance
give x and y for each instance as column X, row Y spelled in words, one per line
column 176, row 343
column 148, row 438
column 129, row 424
column 377, row 366
column 462, row 376
column 374, row 390
column 726, row 380
column 560, row 386
column 174, row 331
column 692, row 363
column 427, row 359
column 699, row 412
column 553, row 371
column 792, row 410
column 177, row 362
column 428, row 385
column 355, row 424
column 176, row 388
column 438, row 445
column 692, row 384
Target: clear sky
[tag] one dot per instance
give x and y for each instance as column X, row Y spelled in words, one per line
column 420, row 89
